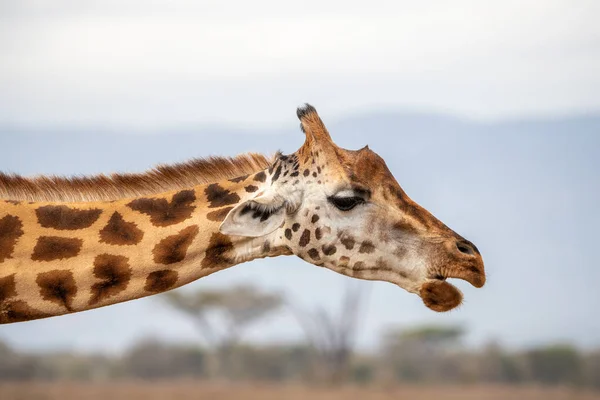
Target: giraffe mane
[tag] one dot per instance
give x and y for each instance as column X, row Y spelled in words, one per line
column 161, row 178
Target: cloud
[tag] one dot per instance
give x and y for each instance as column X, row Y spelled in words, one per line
column 146, row 63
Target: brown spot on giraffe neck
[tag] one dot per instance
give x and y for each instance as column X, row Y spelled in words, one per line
column 58, row 286
column 11, row 229
column 164, row 213
column 114, row 274
column 173, row 249
column 219, row 215
column 66, row 218
column 50, row 248
column 217, row 196
column 8, row 288
column 19, row 311
column 216, row 253
column 14, row 310
column 161, row 281
column 119, row 232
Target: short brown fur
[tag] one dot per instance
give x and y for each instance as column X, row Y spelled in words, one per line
column 162, row 178
column 160, row 281
column 114, row 274
column 120, row 232
column 58, row 286
column 49, row 248
column 11, row 229
column 173, row 249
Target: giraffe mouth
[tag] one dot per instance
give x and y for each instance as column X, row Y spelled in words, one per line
column 439, row 295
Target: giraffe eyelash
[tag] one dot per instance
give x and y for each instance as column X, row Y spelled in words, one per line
column 262, row 211
column 346, row 203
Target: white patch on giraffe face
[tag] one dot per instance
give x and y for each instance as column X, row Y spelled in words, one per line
column 256, row 217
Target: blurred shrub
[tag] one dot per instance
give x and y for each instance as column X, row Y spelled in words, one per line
column 416, row 355
column 151, row 359
column 559, row 364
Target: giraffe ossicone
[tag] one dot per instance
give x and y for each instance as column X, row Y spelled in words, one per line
column 73, row 244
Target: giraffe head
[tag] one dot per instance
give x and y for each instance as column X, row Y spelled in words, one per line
column 344, row 210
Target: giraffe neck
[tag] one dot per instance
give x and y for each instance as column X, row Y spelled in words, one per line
column 59, row 258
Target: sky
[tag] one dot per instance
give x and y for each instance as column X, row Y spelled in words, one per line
column 526, row 193
column 409, row 78
column 147, row 64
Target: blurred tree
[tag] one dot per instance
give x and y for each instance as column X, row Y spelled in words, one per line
column 19, row 367
column 77, row 367
column 422, row 353
column 275, row 363
column 432, row 336
column 495, row 365
column 592, row 369
column 404, row 357
column 557, row 364
column 222, row 316
column 151, row 359
column 362, row 370
column 333, row 336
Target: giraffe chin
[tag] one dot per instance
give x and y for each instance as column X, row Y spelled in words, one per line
column 440, row 295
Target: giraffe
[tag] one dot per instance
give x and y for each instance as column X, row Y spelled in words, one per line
column 74, row 244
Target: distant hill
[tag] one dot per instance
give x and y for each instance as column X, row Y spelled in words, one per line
column 79, row 151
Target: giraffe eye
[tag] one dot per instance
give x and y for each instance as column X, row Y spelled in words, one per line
column 346, row 203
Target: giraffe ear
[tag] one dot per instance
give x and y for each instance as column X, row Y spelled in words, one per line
column 257, row 217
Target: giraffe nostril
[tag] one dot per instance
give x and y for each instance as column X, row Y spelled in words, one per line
column 466, row 247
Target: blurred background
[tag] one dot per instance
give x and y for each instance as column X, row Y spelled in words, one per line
column 487, row 113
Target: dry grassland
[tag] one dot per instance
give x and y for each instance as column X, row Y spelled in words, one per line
column 195, row 390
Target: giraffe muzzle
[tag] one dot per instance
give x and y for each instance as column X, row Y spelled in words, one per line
column 468, row 265
column 464, row 262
